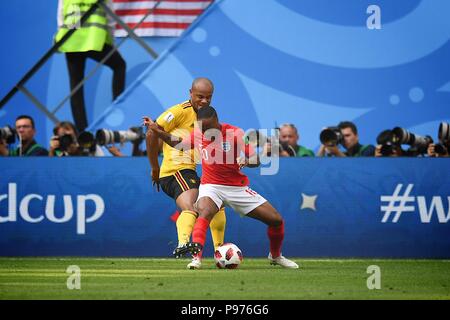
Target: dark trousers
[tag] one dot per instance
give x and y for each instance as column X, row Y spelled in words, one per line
column 76, row 62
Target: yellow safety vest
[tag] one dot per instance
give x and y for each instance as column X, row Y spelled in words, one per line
column 92, row 35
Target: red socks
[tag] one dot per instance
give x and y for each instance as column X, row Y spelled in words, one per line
column 199, row 233
column 276, row 236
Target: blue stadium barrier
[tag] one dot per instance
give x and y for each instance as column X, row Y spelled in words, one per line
column 332, row 208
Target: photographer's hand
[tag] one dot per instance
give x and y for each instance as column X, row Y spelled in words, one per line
column 242, row 162
column 114, row 151
column 334, row 150
column 54, row 144
column 378, row 151
column 3, row 148
column 321, row 151
column 431, row 150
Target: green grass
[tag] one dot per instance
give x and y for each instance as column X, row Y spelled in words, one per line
column 149, row 278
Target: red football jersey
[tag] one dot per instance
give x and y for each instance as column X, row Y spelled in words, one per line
column 219, row 150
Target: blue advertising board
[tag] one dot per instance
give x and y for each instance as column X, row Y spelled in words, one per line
column 332, row 208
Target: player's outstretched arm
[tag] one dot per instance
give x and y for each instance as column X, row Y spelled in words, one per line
column 171, row 140
column 152, row 144
column 252, row 162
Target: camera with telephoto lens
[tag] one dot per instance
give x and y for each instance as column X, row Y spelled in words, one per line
column 8, row 134
column 331, row 136
column 105, row 136
column 388, row 143
column 418, row 144
column 65, row 141
column 442, row 148
column 392, row 139
column 87, row 143
column 284, row 146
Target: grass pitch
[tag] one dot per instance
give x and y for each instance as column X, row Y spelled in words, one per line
column 150, row 278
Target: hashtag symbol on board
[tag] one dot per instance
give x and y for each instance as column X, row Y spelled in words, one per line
column 397, row 203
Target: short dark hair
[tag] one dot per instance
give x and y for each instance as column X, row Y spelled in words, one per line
column 65, row 124
column 24, row 116
column 348, row 124
column 206, row 113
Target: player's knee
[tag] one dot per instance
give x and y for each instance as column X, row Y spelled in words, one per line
column 186, row 205
column 277, row 220
column 202, row 209
column 186, row 201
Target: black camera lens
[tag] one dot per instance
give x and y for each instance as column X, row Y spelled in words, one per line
column 444, row 133
column 387, row 150
column 331, row 136
column 440, row 149
column 65, row 141
column 9, row 134
column 284, row 146
column 419, row 144
column 387, row 141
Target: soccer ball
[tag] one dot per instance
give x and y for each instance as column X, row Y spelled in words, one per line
column 228, row 256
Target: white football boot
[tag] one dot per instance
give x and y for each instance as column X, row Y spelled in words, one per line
column 196, row 263
column 282, row 261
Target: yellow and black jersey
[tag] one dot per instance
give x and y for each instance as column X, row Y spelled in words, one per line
column 179, row 121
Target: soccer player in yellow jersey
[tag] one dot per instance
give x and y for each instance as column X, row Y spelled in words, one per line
column 177, row 176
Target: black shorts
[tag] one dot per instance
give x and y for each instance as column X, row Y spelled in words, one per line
column 181, row 181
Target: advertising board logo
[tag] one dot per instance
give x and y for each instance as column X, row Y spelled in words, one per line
column 21, row 208
column 401, row 202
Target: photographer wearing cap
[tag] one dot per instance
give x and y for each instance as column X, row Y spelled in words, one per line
column 345, row 134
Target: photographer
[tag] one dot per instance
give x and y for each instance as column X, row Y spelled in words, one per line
column 27, row 147
column 289, row 138
column 441, row 149
column 394, row 150
column 64, row 142
column 3, row 148
column 67, row 142
column 346, row 134
column 431, row 151
column 390, row 143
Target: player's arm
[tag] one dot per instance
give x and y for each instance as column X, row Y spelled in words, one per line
column 253, row 161
column 250, row 157
column 171, row 140
column 152, row 144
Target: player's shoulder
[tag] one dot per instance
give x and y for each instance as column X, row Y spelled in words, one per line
column 177, row 111
column 180, row 107
column 227, row 126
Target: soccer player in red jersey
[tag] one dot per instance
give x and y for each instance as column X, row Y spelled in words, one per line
column 222, row 182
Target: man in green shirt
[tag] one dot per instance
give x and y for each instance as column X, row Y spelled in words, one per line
column 289, row 143
column 27, row 147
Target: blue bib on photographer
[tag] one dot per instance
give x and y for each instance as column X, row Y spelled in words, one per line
column 91, row 35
